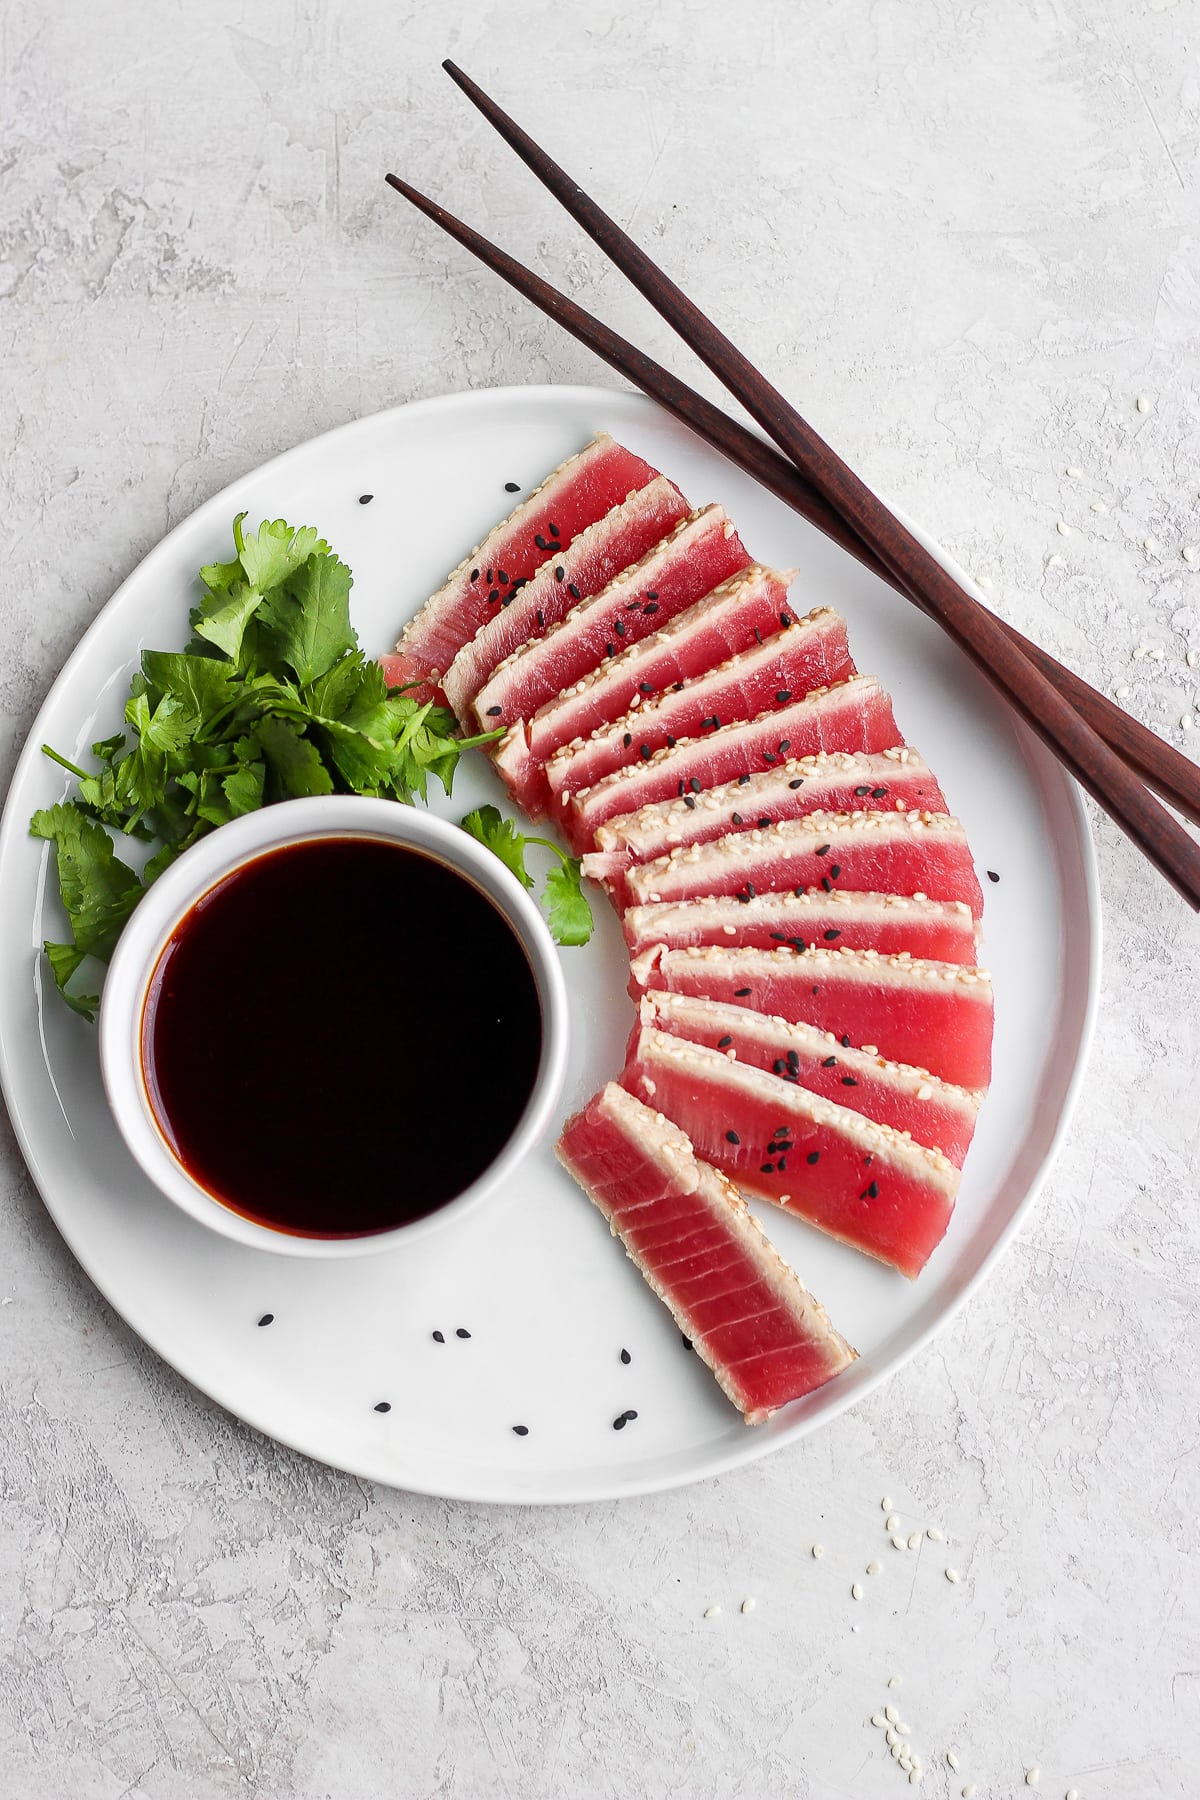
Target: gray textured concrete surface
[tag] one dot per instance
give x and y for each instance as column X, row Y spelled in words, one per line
column 967, row 239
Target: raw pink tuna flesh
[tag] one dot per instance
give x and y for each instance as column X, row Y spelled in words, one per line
column 574, row 495
column 855, row 715
column 812, row 653
column 885, row 853
column 934, row 1113
column 937, row 1016
column 583, row 567
column 939, row 930
column 688, row 1230
column 698, row 638
column 895, row 780
column 856, row 1180
column 701, row 552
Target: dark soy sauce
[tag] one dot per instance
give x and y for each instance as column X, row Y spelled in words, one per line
column 340, row 1037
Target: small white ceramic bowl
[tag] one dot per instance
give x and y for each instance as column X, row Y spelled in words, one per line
column 213, row 859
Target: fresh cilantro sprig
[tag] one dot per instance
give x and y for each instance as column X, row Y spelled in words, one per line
column 566, row 904
column 272, row 700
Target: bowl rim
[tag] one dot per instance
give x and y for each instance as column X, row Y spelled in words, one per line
column 211, row 861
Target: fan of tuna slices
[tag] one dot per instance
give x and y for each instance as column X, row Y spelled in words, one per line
column 576, row 494
column 685, row 1226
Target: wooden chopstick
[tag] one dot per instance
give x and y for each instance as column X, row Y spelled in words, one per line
column 1164, row 768
column 1109, row 780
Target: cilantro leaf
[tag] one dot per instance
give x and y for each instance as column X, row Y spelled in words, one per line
column 566, row 904
column 490, row 828
column 98, row 892
column 294, row 763
column 305, row 622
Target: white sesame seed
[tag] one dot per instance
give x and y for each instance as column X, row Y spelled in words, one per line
column 902, row 1727
column 894, row 1681
column 1098, row 506
column 1139, row 650
column 892, row 1522
column 897, row 1543
column 712, row 1612
column 1191, row 659
column 951, row 1760
column 856, row 1592
column 1054, row 562
column 1190, row 554
column 878, row 1719
column 1150, row 546
column 951, row 1574
column 914, row 1539
column 818, row 1551
column 1033, row 1776
column 1186, row 722
column 1073, row 473
column 892, row 1740
column 1063, row 529
column 970, row 1790
column 885, row 1504
column 1144, row 403
column 748, row 1605
column 891, row 1714
column 873, row 1568
column 1072, row 1794
column 934, row 1535
column 983, row 581
column 914, row 1775
column 1121, row 690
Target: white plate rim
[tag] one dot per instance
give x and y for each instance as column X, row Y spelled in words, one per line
column 753, row 1446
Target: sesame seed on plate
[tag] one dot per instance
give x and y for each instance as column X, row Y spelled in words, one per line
column 951, row 1574
column 856, row 1591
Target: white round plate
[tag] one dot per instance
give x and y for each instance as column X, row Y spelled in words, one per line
column 547, row 1297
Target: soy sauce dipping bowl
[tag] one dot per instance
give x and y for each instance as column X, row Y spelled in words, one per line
column 220, row 855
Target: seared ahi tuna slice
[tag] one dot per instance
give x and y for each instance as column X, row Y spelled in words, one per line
column 584, row 566
column 858, row 1181
column 855, row 715
column 943, row 930
column 701, row 636
column 702, row 551
column 687, row 1229
column 935, row 1015
column 895, row 780
column 932, row 1112
column 884, row 853
column 579, row 491
column 812, row 653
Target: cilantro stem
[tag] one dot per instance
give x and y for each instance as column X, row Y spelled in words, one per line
column 562, row 855
column 486, row 737
column 62, row 762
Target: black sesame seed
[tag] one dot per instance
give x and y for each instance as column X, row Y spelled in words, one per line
column 554, row 531
column 573, row 590
column 494, row 595
column 860, row 791
column 681, row 790
column 822, row 850
column 785, row 619
column 829, row 1062
column 619, row 1422
column 878, row 793
column 462, row 1332
column 798, row 943
column 627, row 740
column 742, row 780
column 689, row 800
column 827, row 884
column 610, row 649
column 867, row 1161
column 740, row 993
column 632, row 605
column 797, row 784
column 779, row 937
column 645, row 687
column 763, row 823
column 783, row 696
column 813, row 1157
column 766, row 1168
column 365, row 499
column 832, row 933
column 793, row 1061
column 652, row 607
column 651, row 594
column 871, row 1192
column 743, row 899
column 541, row 619
column 758, row 634
column 670, row 742
column 489, row 578
column 816, row 990
column 625, row 1357
column 539, row 540
column 694, row 784
column 992, row 875
column 507, row 599
column 849, row 1081
column 845, row 1040
column 783, row 1162
column 779, row 1065
column 737, row 819
column 493, row 712
column 687, row 1342
column 644, row 752
column 474, row 574
column 438, row 1338
column 267, row 1319
column 768, row 758
column 724, row 1043
column 619, row 628
column 733, row 1137
column 751, row 889
column 560, row 573
column 630, row 1414
column 501, row 577
column 512, row 487
column 835, row 871
column 520, row 1431
column 785, row 745
column 384, row 1406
